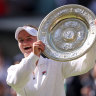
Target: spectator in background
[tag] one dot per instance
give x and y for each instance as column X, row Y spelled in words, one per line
column 89, row 85
column 17, row 58
column 85, row 3
column 92, row 6
column 4, row 64
column 64, row 2
column 22, row 7
column 86, row 82
column 83, row 85
column 43, row 7
column 73, row 86
column 93, row 85
column 86, row 91
column 12, row 92
column 4, row 8
column 2, row 89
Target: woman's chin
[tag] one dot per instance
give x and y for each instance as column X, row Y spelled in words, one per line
column 26, row 54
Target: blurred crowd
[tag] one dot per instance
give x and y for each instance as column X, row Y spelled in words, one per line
column 38, row 7
column 83, row 85
column 5, row 62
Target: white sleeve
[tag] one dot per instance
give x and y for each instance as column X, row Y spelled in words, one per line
column 80, row 65
column 19, row 74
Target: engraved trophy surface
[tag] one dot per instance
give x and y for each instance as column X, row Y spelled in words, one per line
column 68, row 32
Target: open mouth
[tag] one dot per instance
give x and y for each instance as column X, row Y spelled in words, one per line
column 27, row 48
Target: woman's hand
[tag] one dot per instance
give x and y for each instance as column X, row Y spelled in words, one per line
column 95, row 21
column 38, row 47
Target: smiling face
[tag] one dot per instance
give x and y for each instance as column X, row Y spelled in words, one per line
column 25, row 42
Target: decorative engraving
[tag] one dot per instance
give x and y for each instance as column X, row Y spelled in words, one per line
column 67, row 32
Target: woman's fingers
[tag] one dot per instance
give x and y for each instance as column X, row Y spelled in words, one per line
column 38, row 47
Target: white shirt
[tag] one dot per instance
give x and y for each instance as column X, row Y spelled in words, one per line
column 49, row 75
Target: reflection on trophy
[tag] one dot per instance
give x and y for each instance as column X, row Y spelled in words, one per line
column 68, row 32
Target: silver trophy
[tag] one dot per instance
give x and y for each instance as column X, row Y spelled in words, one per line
column 68, row 32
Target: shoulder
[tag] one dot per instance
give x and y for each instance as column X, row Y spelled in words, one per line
column 12, row 67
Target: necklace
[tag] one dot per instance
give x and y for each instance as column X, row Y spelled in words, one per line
column 33, row 76
column 34, row 73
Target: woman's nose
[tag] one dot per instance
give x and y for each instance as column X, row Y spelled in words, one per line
column 24, row 42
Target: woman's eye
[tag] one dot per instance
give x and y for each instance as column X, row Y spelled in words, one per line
column 21, row 41
column 29, row 39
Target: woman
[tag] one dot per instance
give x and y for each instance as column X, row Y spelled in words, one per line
column 38, row 76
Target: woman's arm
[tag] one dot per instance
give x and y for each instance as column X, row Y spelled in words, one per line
column 80, row 65
column 19, row 74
